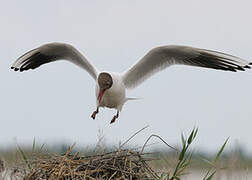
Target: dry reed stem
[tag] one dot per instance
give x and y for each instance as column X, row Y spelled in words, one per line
column 120, row 164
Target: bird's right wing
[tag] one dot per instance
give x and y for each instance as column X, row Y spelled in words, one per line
column 162, row 57
column 52, row 52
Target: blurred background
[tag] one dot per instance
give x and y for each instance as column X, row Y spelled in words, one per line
column 54, row 102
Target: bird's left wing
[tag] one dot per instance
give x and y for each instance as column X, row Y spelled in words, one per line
column 52, row 52
column 161, row 57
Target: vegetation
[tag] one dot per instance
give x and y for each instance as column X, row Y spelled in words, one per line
column 169, row 164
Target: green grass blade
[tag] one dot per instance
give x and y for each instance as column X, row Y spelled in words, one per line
column 183, row 139
column 182, row 153
column 41, row 148
column 24, row 156
column 195, row 133
column 211, row 176
column 189, row 141
column 209, row 170
column 220, row 151
column 33, row 145
column 163, row 176
column 208, row 162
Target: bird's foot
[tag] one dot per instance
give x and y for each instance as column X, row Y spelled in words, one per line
column 94, row 113
column 114, row 118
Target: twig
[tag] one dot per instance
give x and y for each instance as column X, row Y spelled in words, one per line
column 132, row 136
column 154, row 135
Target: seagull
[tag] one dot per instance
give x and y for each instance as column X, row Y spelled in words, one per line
column 111, row 87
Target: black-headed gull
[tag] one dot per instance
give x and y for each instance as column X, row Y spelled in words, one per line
column 110, row 87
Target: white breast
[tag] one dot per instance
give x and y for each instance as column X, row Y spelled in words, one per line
column 114, row 97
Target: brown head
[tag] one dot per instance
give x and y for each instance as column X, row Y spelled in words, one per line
column 105, row 82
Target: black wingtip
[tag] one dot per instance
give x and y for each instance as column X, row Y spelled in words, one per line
column 15, row 69
column 250, row 63
column 240, row 68
column 248, row 67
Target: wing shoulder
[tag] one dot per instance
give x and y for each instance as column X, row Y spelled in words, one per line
column 154, row 61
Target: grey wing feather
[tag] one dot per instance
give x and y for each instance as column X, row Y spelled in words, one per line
column 52, row 52
column 161, row 57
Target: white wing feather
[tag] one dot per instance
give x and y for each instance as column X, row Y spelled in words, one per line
column 161, row 57
column 52, row 52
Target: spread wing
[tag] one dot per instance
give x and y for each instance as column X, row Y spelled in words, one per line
column 52, row 52
column 162, row 57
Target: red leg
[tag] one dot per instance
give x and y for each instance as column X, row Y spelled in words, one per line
column 115, row 117
column 94, row 113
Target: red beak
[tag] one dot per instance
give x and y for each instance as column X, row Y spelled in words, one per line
column 100, row 95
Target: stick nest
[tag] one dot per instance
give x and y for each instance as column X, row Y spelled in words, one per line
column 119, row 164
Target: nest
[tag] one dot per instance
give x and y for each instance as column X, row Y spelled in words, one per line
column 120, row 164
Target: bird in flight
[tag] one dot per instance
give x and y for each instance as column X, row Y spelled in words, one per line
column 111, row 87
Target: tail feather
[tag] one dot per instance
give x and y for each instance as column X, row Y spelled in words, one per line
column 129, row 99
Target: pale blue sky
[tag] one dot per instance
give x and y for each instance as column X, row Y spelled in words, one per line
column 55, row 101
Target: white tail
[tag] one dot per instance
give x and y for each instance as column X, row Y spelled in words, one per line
column 127, row 99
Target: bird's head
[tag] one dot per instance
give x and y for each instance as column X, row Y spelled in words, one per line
column 105, row 82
